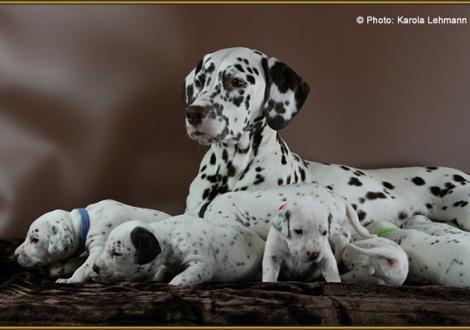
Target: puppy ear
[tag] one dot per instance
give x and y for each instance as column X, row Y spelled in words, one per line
column 188, row 86
column 285, row 93
column 61, row 238
column 282, row 222
column 146, row 245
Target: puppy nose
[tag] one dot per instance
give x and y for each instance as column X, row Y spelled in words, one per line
column 96, row 269
column 195, row 114
column 314, row 255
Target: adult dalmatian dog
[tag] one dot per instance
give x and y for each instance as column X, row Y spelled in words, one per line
column 236, row 101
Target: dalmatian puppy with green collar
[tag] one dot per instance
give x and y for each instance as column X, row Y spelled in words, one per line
column 57, row 237
column 437, row 252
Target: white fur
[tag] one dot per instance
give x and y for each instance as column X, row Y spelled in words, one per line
column 54, row 236
column 194, row 249
column 438, row 253
column 375, row 260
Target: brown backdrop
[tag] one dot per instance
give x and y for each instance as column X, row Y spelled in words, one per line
column 90, row 95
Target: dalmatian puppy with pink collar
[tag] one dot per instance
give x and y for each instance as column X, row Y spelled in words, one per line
column 298, row 235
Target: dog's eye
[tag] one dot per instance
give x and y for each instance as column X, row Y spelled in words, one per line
column 34, row 240
column 324, row 233
column 238, row 83
column 298, row 231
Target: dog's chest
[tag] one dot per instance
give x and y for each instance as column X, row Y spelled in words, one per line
column 294, row 269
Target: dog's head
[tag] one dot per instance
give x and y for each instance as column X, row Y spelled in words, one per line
column 230, row 89
column 130, row 253
column 304, row 224
column 49, row 239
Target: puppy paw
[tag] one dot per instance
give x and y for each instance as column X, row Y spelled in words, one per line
column 68, row 281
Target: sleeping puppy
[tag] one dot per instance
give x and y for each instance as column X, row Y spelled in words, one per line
column 195, row 249
column 375, row 260
column 60, row 235
column 437, row 253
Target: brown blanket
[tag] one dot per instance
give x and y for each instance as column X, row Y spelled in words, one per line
column 31, row 298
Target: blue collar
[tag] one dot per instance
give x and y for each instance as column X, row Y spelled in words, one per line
column 85, row 226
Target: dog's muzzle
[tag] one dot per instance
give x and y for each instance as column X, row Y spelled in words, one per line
column 195, row 114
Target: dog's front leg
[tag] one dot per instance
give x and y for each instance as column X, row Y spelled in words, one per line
column 272, row 260
column 83, row 273
column 329, row 266
column 197, row 272
column 160, row 274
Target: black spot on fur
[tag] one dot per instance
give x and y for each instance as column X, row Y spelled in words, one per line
column 198, row 67
column 375, row 195
column 402, row 215
column 388, row 185
column 250, row 79
column 355, row 182
column 345, row 168
column 237, row 100
column 146, row 245
column 459, row 178
column 460, row 203
column 361, row 215
column 213, row 159
column 239, row 68
column 418, row 181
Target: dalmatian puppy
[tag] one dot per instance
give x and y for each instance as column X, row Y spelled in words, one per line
column 374, row 260
column 297, row 245
column 60, row 235
column 237, row 100
column 256, row 209
column 195, row 249
column 437, row 253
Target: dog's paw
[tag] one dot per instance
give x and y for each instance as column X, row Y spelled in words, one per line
column 68, row 281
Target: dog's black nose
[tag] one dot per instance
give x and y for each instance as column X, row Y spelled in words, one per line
column 96, row 269
column 195, row 114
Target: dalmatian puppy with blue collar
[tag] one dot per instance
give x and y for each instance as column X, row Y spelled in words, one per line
column 59, row 235
column 195, row 250
column 237, row 100
column 437, row 252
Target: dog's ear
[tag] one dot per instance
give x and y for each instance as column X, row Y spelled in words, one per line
column 285, row 93
column 188, row 86
column 60, row 239
column 282, row 222
column 146, row 245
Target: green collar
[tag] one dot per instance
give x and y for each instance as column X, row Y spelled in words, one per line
column 385, row 231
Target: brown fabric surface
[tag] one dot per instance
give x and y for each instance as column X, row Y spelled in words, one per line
column 90, row 95
column 31, row 298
